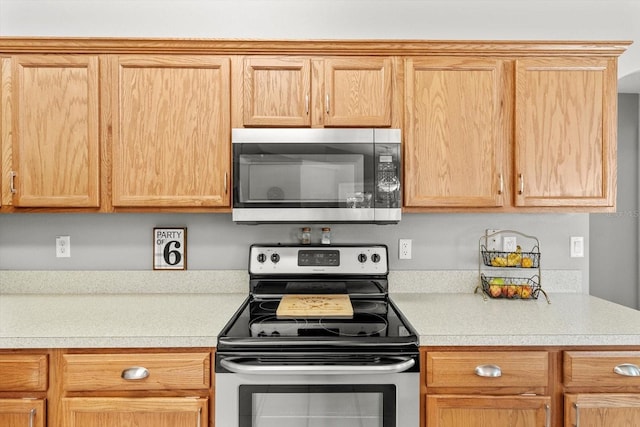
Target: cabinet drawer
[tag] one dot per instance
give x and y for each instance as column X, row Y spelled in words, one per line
column 157, row 371
column 23, row 372
column 524, row 370
column 598, row 368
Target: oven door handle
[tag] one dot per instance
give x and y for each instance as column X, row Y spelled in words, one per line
column 256, row 369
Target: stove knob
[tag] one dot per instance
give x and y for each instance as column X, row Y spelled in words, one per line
column 275, row 334
column 262, row 334
column 375, row 258
column 262, row 258
column 275, row 258
column 362, row 258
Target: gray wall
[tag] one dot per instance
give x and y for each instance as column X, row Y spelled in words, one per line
column 614, row 237
column 124, row 241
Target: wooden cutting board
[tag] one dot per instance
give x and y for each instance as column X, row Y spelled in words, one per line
column 315, row 305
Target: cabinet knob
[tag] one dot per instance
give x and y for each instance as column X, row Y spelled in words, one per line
column 627, row 370
column 135, row 373
column 488, row 371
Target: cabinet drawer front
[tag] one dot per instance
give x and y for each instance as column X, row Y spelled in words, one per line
column 597, row 368
column 458, row 369
column 170, row 371
column 23, row 372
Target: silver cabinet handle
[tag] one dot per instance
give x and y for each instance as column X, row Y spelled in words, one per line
column 488, row 371
column 199, row 417
column 306, row 102
column 135, row 373
column 12, row 182
column 521, row 178
column 242, row 368
column 226, row 186
column 627, row 370
column 547, row 411
column 501, row 185
column 32, row 417
column 326, row 99
column 577, row 408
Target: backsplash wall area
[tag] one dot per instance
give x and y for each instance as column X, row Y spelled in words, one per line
column 214, row 242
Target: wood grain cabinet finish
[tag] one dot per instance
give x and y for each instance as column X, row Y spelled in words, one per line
column 602, row 388
column 456, row 132
column 50, row 132
column 23, row 372
column 139, row 412
column 156, row 371
column 489, row 411
column 325, row 91
column 127, row 388
column 23, row 383
column 565, row 132
column 22, row 412
column 171, row 131
column 487, row 389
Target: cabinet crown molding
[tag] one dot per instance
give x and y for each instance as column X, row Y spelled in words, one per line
column 306, row 47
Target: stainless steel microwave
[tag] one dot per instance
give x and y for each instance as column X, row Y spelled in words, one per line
column 316, row 175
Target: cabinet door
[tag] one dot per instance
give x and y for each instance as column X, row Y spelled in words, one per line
column 493, row 411
column 601, row 410
column 456, row 132
column 277, row 91
column 171, row 141
column 55, row 130
column 139, row 412
column 565, row 153
column 22, row 412
column 358, row 92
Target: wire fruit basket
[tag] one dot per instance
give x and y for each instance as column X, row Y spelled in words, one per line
column 499, row 271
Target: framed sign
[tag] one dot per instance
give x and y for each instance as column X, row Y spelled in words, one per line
column 169, row 248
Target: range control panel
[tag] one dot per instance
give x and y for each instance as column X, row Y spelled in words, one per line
column 309, row 259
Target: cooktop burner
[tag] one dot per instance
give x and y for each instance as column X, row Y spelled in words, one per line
column 359, row 272
column 271, row 326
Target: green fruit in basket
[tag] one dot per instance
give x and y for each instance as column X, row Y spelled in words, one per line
column 496, row 281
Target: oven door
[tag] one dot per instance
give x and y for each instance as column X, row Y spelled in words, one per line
column 259, row 392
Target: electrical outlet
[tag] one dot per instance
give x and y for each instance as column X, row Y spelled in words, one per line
column 492, row 239
column 63, row 246
column 509, row 244
column 404, row 249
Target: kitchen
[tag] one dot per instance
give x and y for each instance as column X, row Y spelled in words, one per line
column 121, row 242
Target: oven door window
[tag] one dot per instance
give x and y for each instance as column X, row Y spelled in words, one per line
column 301, row 175
column 366, row 405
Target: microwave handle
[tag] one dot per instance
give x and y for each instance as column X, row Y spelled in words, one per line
column 242, row 368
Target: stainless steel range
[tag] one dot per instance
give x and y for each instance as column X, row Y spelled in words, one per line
column 318, row 343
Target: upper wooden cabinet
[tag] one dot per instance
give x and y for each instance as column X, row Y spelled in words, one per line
column 565, row 132
column 456, row 132
column 50, row 131
column 171, row 131
column 297, row 91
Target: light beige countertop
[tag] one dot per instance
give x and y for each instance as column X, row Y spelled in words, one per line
column 467, row 320
column 195, row 319
column 111, row 309
column 114, row 320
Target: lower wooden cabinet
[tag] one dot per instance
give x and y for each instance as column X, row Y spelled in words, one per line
column 137, row 388
column 488, row 411
column 22, row 413
column 487, row 388
column 602, row 409
column 135, row 411
column 23, row 386
column 602, row 388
